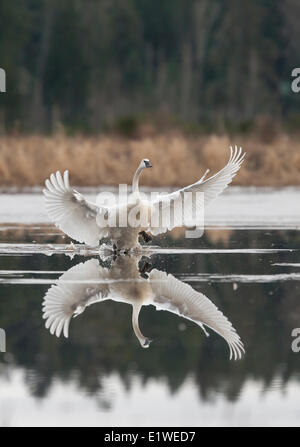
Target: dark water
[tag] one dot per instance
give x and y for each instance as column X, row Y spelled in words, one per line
column 100, row 375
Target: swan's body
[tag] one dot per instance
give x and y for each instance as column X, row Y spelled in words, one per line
column 83, row 220
column 88, row 283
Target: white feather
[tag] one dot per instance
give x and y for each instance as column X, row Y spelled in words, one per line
column 77, row 288
column 180, row 298
column 210, row 188
column 87, row 222
column 71, row 212
column 88, row 283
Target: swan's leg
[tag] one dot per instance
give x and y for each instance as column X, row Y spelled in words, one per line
column 145, row 236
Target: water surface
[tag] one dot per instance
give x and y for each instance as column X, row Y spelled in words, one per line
column 247, row 263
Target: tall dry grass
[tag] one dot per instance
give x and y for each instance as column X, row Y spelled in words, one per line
column 177, row 160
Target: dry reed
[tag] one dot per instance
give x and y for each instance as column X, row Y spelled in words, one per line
column 177, row 160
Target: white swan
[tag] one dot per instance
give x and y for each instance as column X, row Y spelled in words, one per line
column 88, row 283
column 85, row 221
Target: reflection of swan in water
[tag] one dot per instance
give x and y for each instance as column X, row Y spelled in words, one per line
column 88, row 283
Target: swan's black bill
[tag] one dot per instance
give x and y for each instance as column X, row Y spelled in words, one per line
column 148, row 164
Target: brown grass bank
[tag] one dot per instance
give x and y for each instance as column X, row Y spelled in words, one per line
column 176, row 159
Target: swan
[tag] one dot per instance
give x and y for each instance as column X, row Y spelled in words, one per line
column 86, row 222
column 88, row 283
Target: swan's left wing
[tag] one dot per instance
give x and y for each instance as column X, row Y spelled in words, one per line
column 82, row 285
column 71, row 212
column 174, row 203
column 180, row 298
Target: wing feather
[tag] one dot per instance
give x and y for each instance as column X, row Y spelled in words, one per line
column 210, row 188
column 76, row 289
column 70, row 211
column 180, row 298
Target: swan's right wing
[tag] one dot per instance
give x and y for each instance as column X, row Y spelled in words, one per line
column 172, row 204
column 82, row 285
column 71, row 212
column 180, row 298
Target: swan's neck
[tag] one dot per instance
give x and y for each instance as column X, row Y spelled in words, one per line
column 135, row 323
column 135, row 181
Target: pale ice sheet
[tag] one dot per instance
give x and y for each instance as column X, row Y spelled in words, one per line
column 237, row 207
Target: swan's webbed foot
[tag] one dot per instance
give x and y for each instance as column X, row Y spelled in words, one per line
column 116, row 250
column 145, row 267
column 145, row 236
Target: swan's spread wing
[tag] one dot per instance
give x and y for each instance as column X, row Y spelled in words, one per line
column 180, row 298
column 210, row 188
column 71, row 212
column 76, row 289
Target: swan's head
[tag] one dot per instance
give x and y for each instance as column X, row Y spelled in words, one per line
column 146, row 163
column 145, row 342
